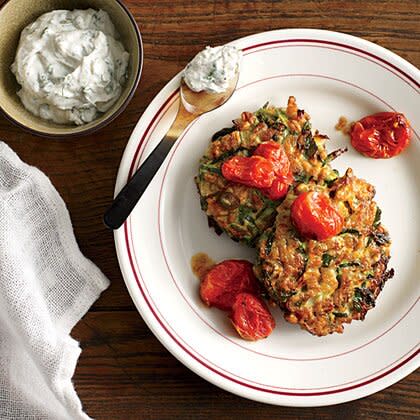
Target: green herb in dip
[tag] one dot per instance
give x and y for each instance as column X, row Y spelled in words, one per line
column 70, row 65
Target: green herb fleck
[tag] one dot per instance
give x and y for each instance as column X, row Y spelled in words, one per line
column 208, row 167
column 326, row 259
column 377, row 220
column 269, row 243
column 306, row 127
column 331, row 180
column 301, row 248
column 264, row 217
column 238, row 228
column 363, row 297
column 212, row 73
column 285, row 133
column 203, row 203
column 310, row 147
column 302, row 177
column 357, row 300
column 350, row 231
column 350, row 264
column 284, row 295
column 243, row 214
column 340, row 314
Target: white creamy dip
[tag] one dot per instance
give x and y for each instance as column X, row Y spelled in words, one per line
column 212, row 69
column 70, row 66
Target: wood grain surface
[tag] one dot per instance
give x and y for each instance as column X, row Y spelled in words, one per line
column 124, row 372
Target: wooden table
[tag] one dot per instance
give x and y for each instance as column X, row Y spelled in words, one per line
column 124, row 372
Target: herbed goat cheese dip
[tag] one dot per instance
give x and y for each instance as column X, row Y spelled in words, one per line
column 212, row 69
column 70, row 65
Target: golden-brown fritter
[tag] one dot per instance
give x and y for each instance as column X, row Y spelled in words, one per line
column 322, row 285
column 244, row 213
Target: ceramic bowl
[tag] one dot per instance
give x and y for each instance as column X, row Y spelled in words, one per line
column 15, row 15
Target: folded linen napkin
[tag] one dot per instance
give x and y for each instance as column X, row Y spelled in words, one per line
column 46, row 286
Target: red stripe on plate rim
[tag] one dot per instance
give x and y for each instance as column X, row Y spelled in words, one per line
column 338, row 44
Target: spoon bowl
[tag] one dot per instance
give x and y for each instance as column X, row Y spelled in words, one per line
column 201, row 102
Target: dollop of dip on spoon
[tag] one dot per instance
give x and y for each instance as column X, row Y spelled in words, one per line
column 213, row 69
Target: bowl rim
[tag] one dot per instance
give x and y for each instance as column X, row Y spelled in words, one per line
column 111, row 117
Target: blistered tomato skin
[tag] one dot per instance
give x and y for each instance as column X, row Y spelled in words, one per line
column 314, row 216
column 279, row 187
column 225, row 280
column 275, row 153
column 254, row 171
column 251, row 317
column 382, row 135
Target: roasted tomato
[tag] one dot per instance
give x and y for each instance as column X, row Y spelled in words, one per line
column 254, row 171
column 279, row 187
column 381, row 135
column 251, row 317
column 276, row 154
column 314, row 216
column 225, row 280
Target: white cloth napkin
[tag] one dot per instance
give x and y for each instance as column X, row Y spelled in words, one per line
column 46, row 286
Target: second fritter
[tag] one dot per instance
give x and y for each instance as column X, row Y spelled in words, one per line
column 322, row 285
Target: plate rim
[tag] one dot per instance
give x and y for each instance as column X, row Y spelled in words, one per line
column 397, row 372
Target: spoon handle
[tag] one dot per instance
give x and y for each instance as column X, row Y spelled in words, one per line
column 128, row 197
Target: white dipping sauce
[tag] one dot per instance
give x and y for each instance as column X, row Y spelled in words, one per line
column 70, row 66
column 212, row 69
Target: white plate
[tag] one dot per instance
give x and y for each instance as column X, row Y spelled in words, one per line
column 330, row 74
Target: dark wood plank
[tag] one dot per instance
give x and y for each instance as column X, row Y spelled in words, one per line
column 124, row 372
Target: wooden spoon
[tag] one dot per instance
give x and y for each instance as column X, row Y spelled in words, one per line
column 192, row 105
